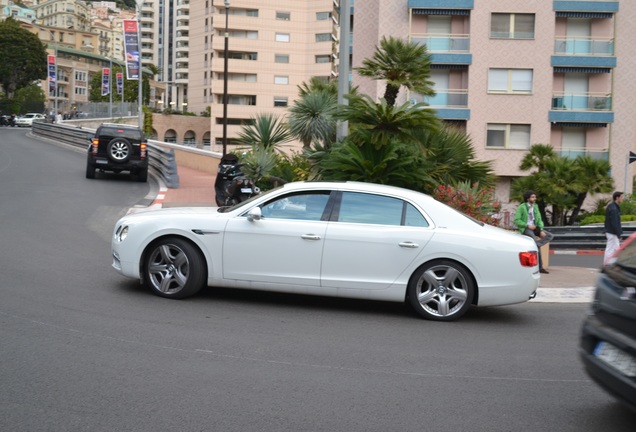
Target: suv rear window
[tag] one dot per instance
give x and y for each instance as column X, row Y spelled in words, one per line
column 121, row 132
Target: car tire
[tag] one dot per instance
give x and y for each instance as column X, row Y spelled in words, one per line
column 90, row 170
column 174, row 268
column 142, row 176
column 119, row 150
column 441, row 290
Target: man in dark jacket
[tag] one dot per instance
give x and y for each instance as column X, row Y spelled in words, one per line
column 613, row 228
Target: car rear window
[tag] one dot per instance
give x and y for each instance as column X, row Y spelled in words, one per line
column 121, row 132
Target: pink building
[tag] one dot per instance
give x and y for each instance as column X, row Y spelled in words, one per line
column 520, row 72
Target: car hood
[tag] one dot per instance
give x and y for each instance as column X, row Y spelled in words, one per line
column 172, row 213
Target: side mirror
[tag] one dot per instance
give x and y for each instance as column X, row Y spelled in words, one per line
column 254, row 214
column 90, row 136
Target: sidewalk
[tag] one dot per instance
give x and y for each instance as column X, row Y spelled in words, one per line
column 562, row 284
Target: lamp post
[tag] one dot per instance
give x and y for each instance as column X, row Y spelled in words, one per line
column 227, row 8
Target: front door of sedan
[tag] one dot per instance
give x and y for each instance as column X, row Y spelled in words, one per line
column 374, row 239
column 284, row 247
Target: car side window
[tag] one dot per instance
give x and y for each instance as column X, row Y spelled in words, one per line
column 365, row 208
column 304, row 206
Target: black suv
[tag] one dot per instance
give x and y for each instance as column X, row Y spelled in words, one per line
column 116, row 148
column 608, row 338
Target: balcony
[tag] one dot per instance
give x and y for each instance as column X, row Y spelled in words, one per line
column 573, row 153
column 584, row 52
column 449, row 104
column 581, row 108
column 446, row 49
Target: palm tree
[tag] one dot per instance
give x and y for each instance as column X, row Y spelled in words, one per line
column 267, row 130
column 399, row 63
column 450, row 159
column 376, row 124
column 537, row 157
column 311, row 118
column 595, row 178
column 396, row 163
column 316, row 84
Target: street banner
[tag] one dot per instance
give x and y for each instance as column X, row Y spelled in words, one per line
column 105, row 81
column 52, row 78
column 131, row 48
column 120, row 82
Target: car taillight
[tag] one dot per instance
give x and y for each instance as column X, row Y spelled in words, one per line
column 95, row 146
column 143, row 151
column 528, row 259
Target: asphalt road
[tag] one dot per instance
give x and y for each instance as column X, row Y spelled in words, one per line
column 85, row 349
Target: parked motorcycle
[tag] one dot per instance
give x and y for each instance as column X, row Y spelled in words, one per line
column 6, row 120
column 231, row 186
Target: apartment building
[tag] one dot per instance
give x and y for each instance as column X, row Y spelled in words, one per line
column 520, row 72
column 164, row 29
column 273, row 47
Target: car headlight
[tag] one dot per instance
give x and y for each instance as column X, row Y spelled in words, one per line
column 121, row 233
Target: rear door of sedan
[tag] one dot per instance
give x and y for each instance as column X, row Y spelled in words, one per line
column 371, row 240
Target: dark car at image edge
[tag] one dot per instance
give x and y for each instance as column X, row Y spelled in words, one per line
column 117, row 148
column 608, row 337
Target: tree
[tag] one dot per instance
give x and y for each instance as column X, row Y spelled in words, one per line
column 561, row 183
column 449, row 159
column 22, row 57
column 312, row 118
column 375, row 124
column 30, row 99
column 131, row 89
column 399, row 63
column 267, row 131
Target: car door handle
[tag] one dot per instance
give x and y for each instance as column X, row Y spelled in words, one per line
column 409, row 245
column 310, row 237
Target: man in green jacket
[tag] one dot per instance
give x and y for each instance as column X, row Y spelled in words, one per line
column 528, row 220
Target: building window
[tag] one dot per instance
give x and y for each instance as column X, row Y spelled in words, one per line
column 242, row 34
column 512, row 26
column 323, row 37
column 282, row 37
column 323, row 58
column 239, row 77
column 238, row 99
column 280, row 101
column 281, row 58
column 284, row 16
column 508, row 136
column 280, row 79
column 322, row 16
column 510, row 81
column 241, row 55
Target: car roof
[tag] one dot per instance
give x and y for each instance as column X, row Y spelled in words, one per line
column 358, row 186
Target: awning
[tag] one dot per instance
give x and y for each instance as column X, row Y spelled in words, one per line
column 582, row 70
column 461, row 12
column 580, row 125
column 567, row 14
column 450, row 66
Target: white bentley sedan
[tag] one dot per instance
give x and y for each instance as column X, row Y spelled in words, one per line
column 342, row 239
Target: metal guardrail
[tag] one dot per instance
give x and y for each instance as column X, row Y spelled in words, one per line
column 161, row 160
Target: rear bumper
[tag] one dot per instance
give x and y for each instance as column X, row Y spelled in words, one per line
column 106, row 164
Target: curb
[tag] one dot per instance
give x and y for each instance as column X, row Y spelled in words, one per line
column 577, row 252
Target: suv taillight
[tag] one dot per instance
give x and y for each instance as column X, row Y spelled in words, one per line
column 95, row 146
column 528, row 259
column 143, row 151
